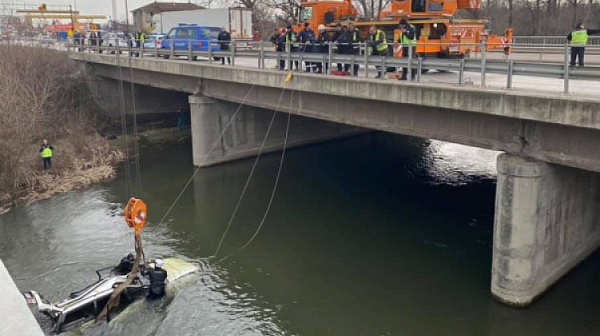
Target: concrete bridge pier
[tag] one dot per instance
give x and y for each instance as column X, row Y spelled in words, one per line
column 244, row 136
column 547, row 221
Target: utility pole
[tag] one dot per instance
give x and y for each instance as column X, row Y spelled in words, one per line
column 114, row 12
column 72, row 21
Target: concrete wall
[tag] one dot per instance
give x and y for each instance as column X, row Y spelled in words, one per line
column 149, row 100
column 529, row 124
column 547, row 221
column 15, row 316
column 244, row 136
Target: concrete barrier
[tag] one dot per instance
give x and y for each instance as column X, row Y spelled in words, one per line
column 15, row 317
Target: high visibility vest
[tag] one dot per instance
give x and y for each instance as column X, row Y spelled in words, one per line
column 408, row 42
column 46, row 152
column 142, row 37
column 383, row 45
column 293, row 40
column 579, row 36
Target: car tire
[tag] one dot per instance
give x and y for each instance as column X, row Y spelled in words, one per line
column 166, row 56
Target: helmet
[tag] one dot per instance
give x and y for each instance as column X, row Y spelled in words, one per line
column 158, row 262
column 403, row 22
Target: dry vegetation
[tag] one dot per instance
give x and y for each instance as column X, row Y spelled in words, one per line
column 45, row 96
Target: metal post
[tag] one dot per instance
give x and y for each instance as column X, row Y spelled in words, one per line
column 300, row 58
column 210, row 57
column 461, row 71
column 141, row 49
column 172, row 48
column 190, row 50
column 262, row 55
column 366, row 64
column 288, row 50
column 329, row 57
column 419, row 68
column 232, row 53
column 483, row 59
column 566, row 68
column 352, row 62
column 383, row 68
column 409, row 65
column 509, row 75
column 155, row 50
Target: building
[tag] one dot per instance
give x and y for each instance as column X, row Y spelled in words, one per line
column 142, row 17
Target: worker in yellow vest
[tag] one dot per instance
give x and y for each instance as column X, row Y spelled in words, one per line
column 578, row 39
column 408, row 39
column 378, row 42
column 46, row 152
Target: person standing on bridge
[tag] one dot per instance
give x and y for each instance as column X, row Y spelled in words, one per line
column 378, row 42
column 46, row 152
column 279, row 46
column 578, row 39
column 224, row 40
column 408, row 39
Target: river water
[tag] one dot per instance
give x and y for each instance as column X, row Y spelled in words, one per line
column 371, row 235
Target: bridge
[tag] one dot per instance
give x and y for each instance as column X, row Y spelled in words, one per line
column 547, row 218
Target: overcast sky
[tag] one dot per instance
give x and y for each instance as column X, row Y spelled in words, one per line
column 99, row 6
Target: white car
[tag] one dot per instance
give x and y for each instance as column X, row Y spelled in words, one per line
column 115, row 39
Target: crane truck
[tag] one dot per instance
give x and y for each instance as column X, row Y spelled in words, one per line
column 440, row 32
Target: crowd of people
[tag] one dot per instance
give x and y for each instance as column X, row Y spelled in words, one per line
column 347, row 40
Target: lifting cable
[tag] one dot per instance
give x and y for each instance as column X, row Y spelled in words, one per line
column 239, row 201
column 277, row 178
column 135, row 211
column 212, row 147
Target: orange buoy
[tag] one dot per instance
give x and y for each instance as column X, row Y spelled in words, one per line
column 136, row 214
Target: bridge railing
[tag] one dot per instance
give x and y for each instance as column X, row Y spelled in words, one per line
column 265, row 56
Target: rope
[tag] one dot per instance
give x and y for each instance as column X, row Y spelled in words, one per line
column 239, row 201
column 262, row 222
column 124, row 127
column 206, row 157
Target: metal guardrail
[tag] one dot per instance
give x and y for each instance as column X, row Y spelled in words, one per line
column 545, row 40
column 262, row 51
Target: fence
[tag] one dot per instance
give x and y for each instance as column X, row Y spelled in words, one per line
column 261, row 52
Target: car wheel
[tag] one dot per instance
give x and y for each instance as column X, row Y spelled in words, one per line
column 166, row 56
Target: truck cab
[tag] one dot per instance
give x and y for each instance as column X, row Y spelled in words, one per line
column 197, row 37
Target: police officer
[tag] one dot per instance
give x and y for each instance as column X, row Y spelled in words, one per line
column 46, row 151
column 224, row 39
column 378, row 42
column 408, row 39
column 307, row 38
column 158, row 277
column 578, row 39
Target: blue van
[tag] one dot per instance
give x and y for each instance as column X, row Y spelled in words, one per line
column 198, row 36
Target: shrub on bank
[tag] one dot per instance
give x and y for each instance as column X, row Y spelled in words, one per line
column 45, row 96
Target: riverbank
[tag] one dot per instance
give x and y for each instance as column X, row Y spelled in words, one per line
column 99, row 165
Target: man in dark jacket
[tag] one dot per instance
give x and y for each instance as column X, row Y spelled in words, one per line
column 578, row 38
column 224, row 39
column 307, row 38
column 347, row 39
column 408, row 39
column 157, row 277
column 279, row 46
column 291, row 43
column 323, row 43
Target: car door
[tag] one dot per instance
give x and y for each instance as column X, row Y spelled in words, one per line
column 185, row 35
column 169, row 38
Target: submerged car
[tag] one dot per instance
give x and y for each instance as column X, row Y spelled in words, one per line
column 85, row 304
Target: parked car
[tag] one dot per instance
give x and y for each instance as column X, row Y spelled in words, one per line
column 153, row 41
column 114, row 39
column 199, row 36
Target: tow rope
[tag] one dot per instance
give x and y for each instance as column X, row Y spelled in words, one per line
column 135, row 217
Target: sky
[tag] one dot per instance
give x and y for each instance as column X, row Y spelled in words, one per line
column 96, row 6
